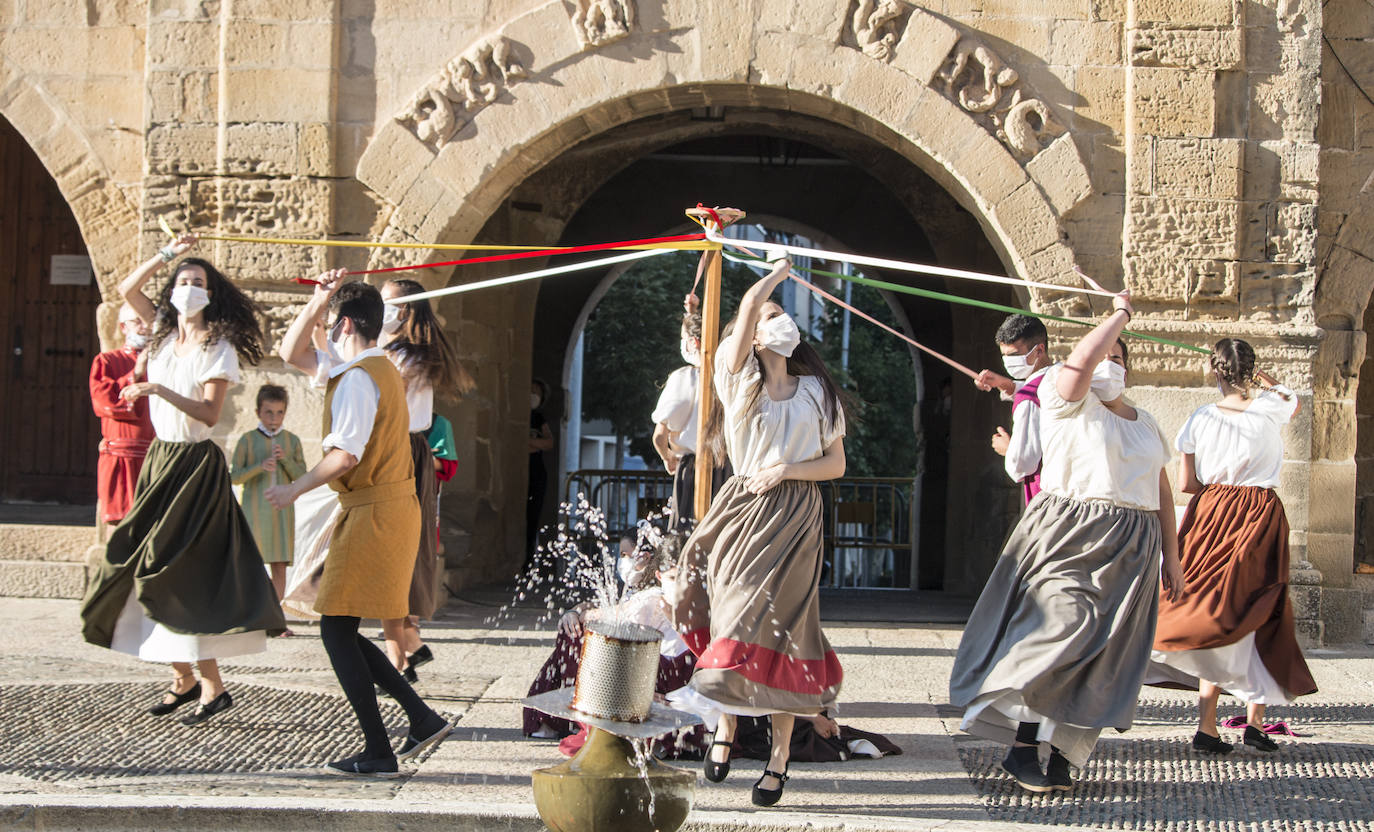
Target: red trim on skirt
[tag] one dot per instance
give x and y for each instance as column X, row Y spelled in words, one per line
column 770, row 668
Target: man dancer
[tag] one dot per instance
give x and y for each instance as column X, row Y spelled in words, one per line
column 1025, row 355
column 125, row 429
column 371, row 556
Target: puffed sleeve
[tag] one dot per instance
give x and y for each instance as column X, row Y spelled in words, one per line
column 676, row 402
column 731, row 387
column 1055, row 406
column 220, row 361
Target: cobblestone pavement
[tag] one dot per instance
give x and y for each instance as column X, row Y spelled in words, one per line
column 72, row 723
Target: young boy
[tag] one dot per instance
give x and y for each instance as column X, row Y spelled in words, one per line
column 265, row 457
column 1024, row 343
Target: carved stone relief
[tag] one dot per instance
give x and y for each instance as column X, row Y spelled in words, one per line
column 599, row 22
column 877, row 25
column 467, row 83
column 982, row 83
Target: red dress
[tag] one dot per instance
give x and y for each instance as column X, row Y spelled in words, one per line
column 125, row 432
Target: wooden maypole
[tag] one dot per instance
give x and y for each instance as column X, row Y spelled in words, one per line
column 710, row 339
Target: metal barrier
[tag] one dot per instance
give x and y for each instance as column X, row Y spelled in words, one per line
column 869, row 523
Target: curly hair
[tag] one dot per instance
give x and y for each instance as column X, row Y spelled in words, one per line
column 1233, row 360
column 426, row 352
column 230, row 316
column 1021, row 328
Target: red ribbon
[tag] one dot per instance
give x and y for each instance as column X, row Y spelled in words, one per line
column 521, row 255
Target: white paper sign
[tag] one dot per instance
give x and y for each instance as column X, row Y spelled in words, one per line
column 70, row 270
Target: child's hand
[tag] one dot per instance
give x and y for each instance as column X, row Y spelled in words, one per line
column 278, row 452
column 269, row 465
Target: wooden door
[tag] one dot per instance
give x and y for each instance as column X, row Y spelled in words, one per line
column 48, row 433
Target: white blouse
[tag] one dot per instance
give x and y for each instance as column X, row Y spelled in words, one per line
column 647, row 607
column 793, row 430
column 1245, row 448
column 677, row 406
column 186, row 375
column 1090, row 453
column 353, row 410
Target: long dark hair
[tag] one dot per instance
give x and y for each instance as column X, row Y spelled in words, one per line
column 427, row 354
column 804, row 361
column 230, row 316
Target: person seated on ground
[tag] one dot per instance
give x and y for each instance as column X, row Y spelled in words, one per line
column 649, row 588
column 815, row 739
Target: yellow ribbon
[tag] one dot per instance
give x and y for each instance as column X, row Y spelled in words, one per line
column 688, row 245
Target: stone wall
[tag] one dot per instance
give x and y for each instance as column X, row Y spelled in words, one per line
column 1212, row 155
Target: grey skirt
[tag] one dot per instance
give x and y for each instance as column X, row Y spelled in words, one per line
column 1062, row 632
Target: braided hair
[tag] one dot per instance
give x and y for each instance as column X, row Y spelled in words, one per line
column 1233, row 360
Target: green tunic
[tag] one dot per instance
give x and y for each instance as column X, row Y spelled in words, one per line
column 274, row 530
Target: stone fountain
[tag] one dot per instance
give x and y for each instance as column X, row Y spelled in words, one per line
column 607, row 785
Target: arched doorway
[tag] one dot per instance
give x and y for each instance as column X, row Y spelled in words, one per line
column 48, row 432
column 851, row 190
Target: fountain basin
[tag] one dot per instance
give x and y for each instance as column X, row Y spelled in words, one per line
column 602, row 788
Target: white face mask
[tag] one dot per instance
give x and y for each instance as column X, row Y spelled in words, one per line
column 534, row 401
column 391, row 319
column 336, row 344
column 135, row 340
column 779, row 334
column 1017, row 366
column 1109, row 380
column 690, row 354
column 189, row 299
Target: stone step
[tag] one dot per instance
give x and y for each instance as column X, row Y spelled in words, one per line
column 35, row 541
column 42, row 579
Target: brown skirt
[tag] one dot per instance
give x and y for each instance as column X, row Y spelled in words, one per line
column 749, row 602
column 424, row 584
column 1233, row 543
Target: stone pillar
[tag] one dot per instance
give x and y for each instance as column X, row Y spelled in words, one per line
column 1220, row 230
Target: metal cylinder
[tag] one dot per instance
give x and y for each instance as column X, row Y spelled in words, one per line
column 615, row 679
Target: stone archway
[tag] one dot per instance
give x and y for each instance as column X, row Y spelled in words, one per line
column 108, row 220
column 541, row 85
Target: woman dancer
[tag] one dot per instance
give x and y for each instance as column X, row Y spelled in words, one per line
column 416, row 344
column 1059, row 641
column 748, row 600
column 182, row 580
column 1233, row 628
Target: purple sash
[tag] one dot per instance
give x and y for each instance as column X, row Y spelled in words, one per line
column 1029, row 392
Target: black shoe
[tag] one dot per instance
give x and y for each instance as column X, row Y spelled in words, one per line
column 178, row 699
column 1023, row 764
column 412, row 747
column 356, row 765
column 716, row 772
column 1211, row 744
column 421, row 656
column 205, row 710
column 1258, row 740
column 409, row 674
column 768, row 797
column 1058, row 772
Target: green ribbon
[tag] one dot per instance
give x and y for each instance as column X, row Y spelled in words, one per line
column 982, row 304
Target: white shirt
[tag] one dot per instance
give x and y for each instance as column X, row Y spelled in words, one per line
column 353, row 410
column 793, row 430
column 419, row 395
column 1231, row 448
column 186, row 375
column 647, row 607
column 1090, row 453
column 1023, row 450
column 677, row 406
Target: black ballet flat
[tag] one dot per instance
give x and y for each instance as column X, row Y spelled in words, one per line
column 768, row 797
column 716, row 772
column 1210, row 744
column 1258, row 740
column 409, row 674
column 206, row 710
column 421, row 656
column 356, row 765
column 412, row 747
column 179, row 699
